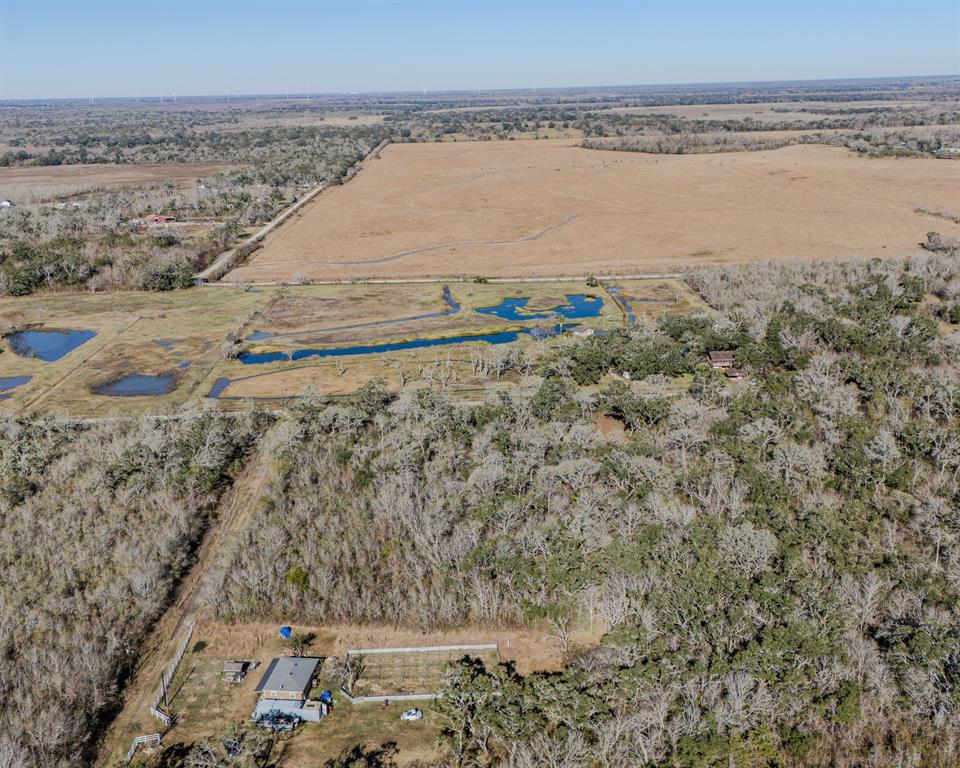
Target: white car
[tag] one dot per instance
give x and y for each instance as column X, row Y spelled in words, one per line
column 411, row 714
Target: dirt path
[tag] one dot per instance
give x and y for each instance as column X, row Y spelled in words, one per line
column 224, row 262
column 235, row 511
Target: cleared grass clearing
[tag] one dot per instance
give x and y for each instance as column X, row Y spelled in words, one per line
column 550, row 208
column 410, row 671
column 36, row 184
column 136, row 333
column 183, row 333
column 205, row 704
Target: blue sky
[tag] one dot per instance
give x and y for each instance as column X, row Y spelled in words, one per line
column 62, row 49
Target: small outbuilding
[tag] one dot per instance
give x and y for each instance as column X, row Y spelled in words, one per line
column 582, row 331
column 235, row 671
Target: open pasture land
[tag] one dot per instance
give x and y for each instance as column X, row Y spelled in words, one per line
column 179, row 334
column 49, row 183
column 406, row 334
column 777, row 111
column 550, row 208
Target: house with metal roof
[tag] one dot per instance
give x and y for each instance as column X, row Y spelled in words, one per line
column 285, row 687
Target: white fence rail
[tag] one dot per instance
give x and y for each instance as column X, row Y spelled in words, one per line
column 137, row 741
column 398, row 697
column 167, row 677
column 423, row 649
column 162, row 716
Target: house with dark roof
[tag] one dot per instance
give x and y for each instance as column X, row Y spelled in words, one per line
column 720, row 359
column 285, row 687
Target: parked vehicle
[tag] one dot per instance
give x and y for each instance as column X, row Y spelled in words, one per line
column 411, row 714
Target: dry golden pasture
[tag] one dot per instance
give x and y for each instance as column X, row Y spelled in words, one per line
column 775, row 111
column 184, row 333
column 550, row 208
column 179, row 332
column 36, row 184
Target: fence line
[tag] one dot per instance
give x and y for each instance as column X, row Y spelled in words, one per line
column 398, row 697
column 137, row 741
column 167, row 677
column 162, row 716
column 423, row 649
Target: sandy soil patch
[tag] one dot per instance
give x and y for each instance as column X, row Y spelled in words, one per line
column 551, row 208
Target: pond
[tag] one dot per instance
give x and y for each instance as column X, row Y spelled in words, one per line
column 138, row 385
column 500, row 337
column 48, row 345
column 11, row 382
column 578, row 305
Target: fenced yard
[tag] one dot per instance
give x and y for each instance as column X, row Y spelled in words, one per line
column 414, row 672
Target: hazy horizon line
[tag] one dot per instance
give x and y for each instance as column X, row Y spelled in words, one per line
column 173, row 95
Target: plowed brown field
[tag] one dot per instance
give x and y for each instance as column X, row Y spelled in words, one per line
column 549, row 208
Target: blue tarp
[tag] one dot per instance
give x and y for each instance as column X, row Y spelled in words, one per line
column 285, row 632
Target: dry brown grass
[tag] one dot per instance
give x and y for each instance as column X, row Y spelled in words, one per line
column 205, row 704
column 37, row 184
column 772, row 112
column 546, row 208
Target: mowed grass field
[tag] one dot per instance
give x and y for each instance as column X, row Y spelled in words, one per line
column 550, row 208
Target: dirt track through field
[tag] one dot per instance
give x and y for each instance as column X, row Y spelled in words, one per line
column 236, row 509
column 550, row 208
column 528, row 239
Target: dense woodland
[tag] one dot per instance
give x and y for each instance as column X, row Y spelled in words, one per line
column 96, row 525
column 776, row 564
column 773, row 564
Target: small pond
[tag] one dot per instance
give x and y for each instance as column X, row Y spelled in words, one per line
column 48, row 345
column 578, row 305
column 138, row 385
column 11, row 382
column 219, row 387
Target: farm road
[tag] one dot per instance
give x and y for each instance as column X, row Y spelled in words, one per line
column 224, row 261
column 235, row 511
column 570, row 217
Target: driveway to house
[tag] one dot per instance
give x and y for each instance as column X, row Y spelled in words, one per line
column 235, row 511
